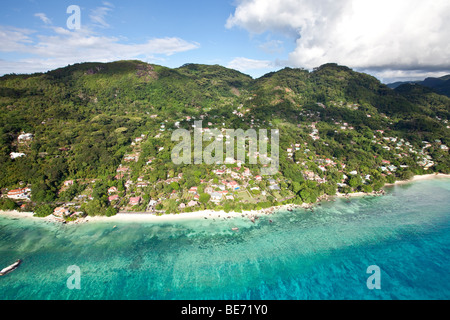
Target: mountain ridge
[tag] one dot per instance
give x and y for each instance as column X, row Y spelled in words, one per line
column 440, row 85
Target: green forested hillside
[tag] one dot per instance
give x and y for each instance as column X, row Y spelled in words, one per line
column 85, row 119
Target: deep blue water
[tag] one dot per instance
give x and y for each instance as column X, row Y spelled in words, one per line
column 301, row 255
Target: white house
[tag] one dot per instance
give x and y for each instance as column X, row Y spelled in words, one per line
column 192, row 203
column 216, row 196
column 25, row 137
column 15, row 155
column 19, row 194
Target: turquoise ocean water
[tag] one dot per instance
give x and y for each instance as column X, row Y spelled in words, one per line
column 299, row 255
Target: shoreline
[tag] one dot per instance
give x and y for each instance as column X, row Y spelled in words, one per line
column 397, row 183
column 196, row 215
column 148, row 217
column 419, row 178
column 210, row 214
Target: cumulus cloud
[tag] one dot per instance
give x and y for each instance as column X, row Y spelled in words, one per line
column 363, row 34
column 63, row 47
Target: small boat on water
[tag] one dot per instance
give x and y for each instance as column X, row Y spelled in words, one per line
column 235, row 229
column 10, row 268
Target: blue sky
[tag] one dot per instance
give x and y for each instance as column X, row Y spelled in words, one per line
column 392, row 40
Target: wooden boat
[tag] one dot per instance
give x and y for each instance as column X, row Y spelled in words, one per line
column 10, row 268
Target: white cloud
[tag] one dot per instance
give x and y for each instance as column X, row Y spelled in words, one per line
column 98, row 15
column 15, row 39
column 63, row 47
column 245, row 64
column 363, row 34
column 43, row 17
column 389, row 76
column 108, row 4
column 272, row 47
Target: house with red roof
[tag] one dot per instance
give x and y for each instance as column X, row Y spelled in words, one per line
column 112, row 190
column 19, row 194
column 193, row 190
column 113, row 198
column 134, row 201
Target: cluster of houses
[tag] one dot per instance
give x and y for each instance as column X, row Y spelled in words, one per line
column 442, row 146
column 218, row 192
column 341, row 104
column 235, row 173
column 387, row 167
column 121, row 172
column 310, row 175
column 131, row 157
column 64, row 212
column 315, row 132
column 113, row 196
column 404, row 149
column 290, row 151
column 344, row 126
column 138, row 140
column 190, row 204
column 22, row 139
column 124, row 171
column 238, row 113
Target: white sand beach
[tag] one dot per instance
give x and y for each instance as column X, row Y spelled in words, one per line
column 26, row 215
column 17, row 214
column 206, row 214
column 147, row 217
column 415, row 178
column 354, row 195
column 419, row 178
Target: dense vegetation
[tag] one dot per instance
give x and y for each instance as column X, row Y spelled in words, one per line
column 84, row 119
